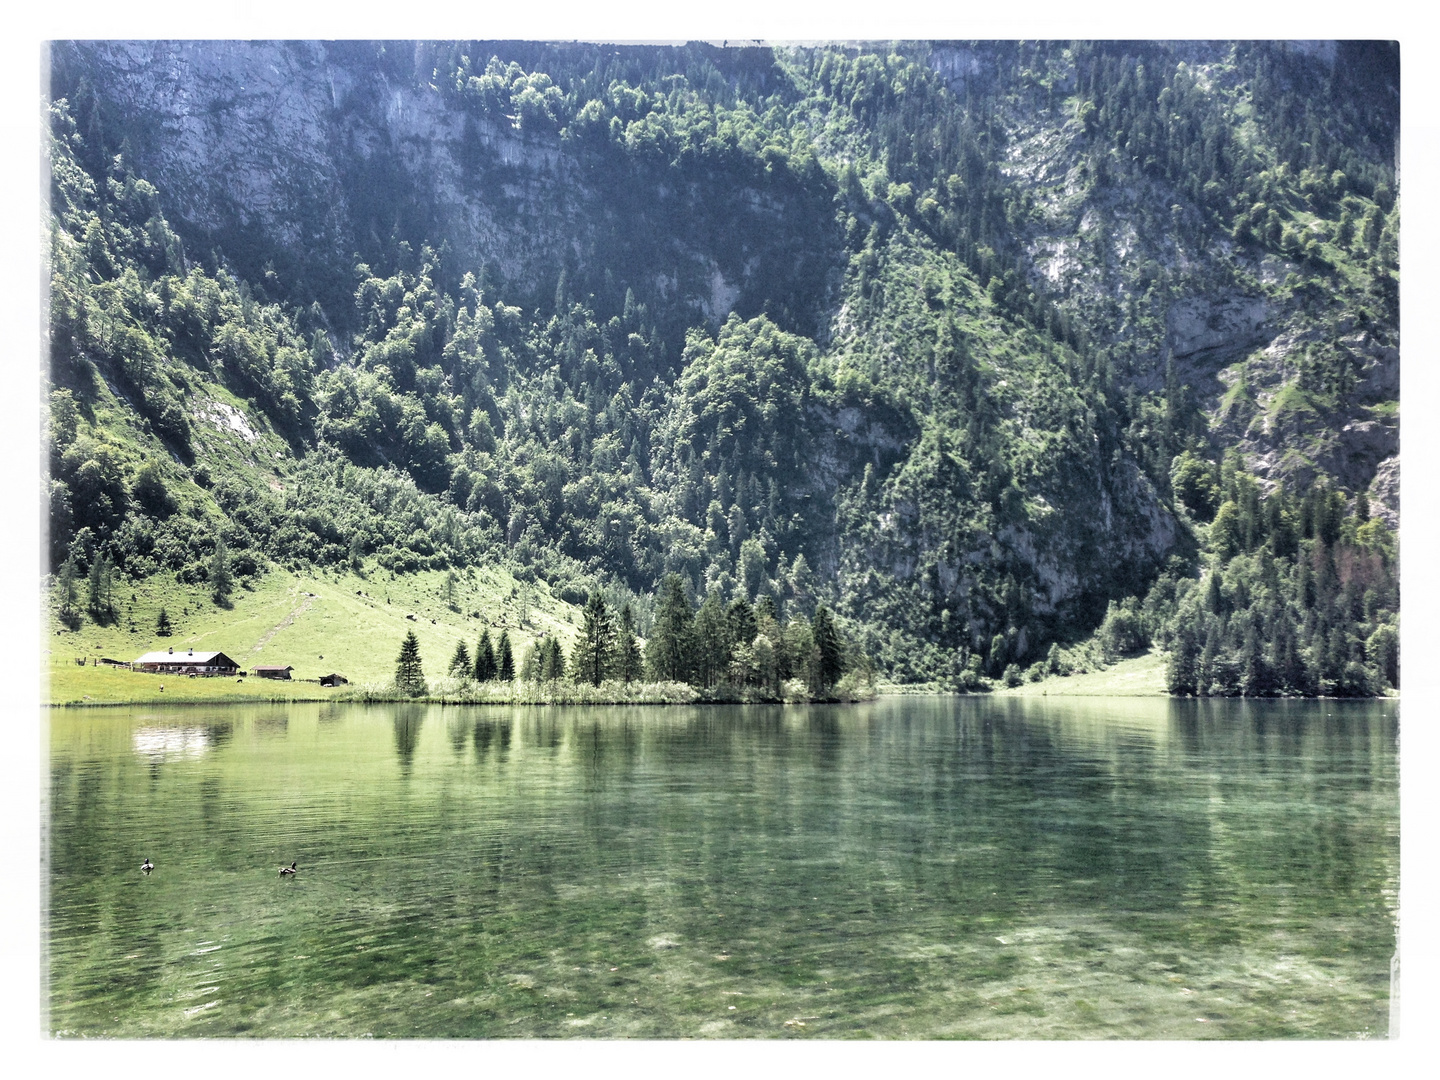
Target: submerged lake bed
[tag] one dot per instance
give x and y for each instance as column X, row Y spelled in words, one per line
column 906, row 868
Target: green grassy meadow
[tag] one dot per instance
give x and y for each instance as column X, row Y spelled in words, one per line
column 320, row 622
column 316, row 622
column 1139, row 676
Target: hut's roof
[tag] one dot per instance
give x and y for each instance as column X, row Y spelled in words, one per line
column 189, row 656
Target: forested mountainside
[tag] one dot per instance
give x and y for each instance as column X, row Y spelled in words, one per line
column 990, row 347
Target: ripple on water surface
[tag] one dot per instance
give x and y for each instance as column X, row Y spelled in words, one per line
column 914, row 867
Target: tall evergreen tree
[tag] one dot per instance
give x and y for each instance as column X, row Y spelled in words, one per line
column 505, row 659
column 551, row 660
column 593, row 657
column 221, row 579
column 1254, row 672
column 628, row 664
column 740, row 618
column 409, row 676
column 1181, row 670
column 485, row 666
column 162, row 624
column 827, row 644
column 460, row 661
column 99, row 598
column 67, row 586
column 668, row 651
column 712, row 641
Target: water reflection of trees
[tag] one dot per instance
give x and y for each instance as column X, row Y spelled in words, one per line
column 488, row 731
column 407, row 722
column 993, row 804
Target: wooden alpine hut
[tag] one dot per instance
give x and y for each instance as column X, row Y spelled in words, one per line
column 189, row 662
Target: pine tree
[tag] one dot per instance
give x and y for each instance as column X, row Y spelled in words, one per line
column 409, row 676
column 668, row 652
column 1181, row 671
column 628, row 665
column 505, row 661
column 67, row 590
column 99, row 591
column 827, row 644
column 593, row 652
column 1214, row 598
column 221, row 581
column 550, row 660
column 712, row 640
column 1254, row 672
column 460, row 661
column 485, row 666
column 162, row 624
column 740, row 618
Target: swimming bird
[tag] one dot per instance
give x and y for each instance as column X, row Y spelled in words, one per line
column 286, row 871
column 147, row 865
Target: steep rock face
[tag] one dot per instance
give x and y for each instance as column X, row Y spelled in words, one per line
column 307, row 153
column 1133, row 259
column 1215, row 328
column 1290, row 434
column 1384, row 492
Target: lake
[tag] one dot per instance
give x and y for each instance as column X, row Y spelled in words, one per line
column 915, row 867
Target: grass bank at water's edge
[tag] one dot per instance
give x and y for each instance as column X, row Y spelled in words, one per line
column 1138, row 676
column 315, row 622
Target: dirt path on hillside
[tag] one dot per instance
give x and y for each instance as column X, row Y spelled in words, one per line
column 283, row 623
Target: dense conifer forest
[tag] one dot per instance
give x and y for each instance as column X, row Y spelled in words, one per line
column 955, row 363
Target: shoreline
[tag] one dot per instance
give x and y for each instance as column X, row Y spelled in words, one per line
column 698, row 700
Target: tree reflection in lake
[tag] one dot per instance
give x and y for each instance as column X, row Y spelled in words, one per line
column 919, row 866
column 407, row 722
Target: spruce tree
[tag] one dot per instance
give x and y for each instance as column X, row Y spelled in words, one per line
column 1180, row 671
column 505, row 661
column 1254, row 672
column 409, row 676
column 162, row 624
column 67, row 585
column 712, row 640
column 827, row 644
column 99, row 600
column 593, row 652
column 92, row 594
column 628, row 664
column 668, row 653
column 740, row 617
column 551, row 660
column 485, row 666
column 221, row 581
column 460, row 661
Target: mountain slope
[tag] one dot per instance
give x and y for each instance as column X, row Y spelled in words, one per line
column 952, row 337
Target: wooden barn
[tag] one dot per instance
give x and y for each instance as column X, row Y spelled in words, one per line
column 189, row 662
column 272, row 671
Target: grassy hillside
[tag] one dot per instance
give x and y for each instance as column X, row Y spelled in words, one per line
column 1139, row 676
column 316, row 622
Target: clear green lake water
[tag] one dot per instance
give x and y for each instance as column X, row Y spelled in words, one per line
column 910, row 868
